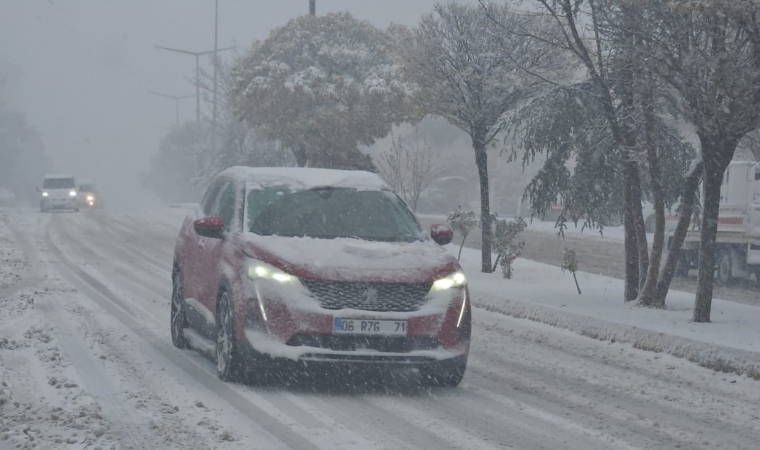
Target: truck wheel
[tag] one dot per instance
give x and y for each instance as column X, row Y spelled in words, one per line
column 649, row 223
column 683, row 265
column 724, row 267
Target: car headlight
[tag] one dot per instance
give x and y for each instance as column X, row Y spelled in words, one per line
column 455, row 280
column 258, row 270
column 90, row 198
column 45, row 194
column 73, row 193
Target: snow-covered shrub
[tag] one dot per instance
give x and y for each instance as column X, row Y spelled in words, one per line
column 506, row 243
column 462, row 222
column 570, row 264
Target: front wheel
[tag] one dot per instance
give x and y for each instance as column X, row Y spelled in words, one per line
column 178, row 312
column 444, row 375
column 229, row 365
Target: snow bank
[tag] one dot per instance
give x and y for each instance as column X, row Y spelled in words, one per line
column 540, row 292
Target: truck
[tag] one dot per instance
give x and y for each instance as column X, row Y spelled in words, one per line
column 738, row 238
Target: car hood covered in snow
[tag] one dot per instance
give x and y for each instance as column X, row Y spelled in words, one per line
column 352, row 259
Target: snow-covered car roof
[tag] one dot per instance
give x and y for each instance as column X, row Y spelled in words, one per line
column 305, row 178
column 58, row 175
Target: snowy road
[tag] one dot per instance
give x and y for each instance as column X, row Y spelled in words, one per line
column 100, row 283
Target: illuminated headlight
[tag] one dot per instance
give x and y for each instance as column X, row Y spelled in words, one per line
column 258, row 270
column 455, row 280
column 90, row 198
column 45, row 194
column 72, row 193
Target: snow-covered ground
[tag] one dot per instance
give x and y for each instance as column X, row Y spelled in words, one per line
column 544, row 293
column 86, row 361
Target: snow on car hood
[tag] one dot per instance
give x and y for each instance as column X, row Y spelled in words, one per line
column 352, row 259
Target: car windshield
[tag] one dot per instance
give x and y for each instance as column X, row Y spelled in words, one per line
column 330, row 213
column 87, row 188
column 58, row 183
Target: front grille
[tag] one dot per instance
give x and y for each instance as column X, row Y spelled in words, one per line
column 402, row 297
column 391, row 344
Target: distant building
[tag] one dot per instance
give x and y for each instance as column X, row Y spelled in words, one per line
column 10, row 80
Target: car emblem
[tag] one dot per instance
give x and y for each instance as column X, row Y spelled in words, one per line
column 371, row 296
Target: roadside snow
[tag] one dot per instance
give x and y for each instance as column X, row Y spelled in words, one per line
column 543, row 293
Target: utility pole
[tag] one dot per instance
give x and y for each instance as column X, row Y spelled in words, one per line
column 176, row 99
column 197, row 72
column 216, row 65
column 313, row 7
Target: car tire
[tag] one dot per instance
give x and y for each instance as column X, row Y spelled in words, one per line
column 230, row 366
column 444, row 375
column 178, row 312
column 649, row 223
column 724, row 267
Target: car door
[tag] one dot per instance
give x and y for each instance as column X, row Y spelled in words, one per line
column 192, row 259
column 216, row 253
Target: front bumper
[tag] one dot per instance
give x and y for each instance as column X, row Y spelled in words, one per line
column 57, row 203
column 438, row 332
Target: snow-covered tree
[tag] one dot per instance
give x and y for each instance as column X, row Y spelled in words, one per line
column 180, row 162
column 470, row 72
column 22, row 155
column 237, row 143
column 409, row 169
column 508, row 247
column 462, row 222
column 570, row 264
column 322, row 86
column 709, row 51
column 604, row 36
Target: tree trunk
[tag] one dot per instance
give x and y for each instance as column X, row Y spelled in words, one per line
column 299, row 152
column 631, row 250
column 648, row 293
column 481, row 160
column 707, row 246
column 688, row 198
column 633, row 179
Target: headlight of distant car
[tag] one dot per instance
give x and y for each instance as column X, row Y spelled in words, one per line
column 455, row 280
column 90, row 198
column 72, row 193
column 258, row 270
column 45, row 194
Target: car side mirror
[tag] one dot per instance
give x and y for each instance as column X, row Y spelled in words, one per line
column 210, row 227
column 441, row 234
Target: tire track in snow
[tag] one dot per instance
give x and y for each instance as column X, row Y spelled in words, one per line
column 111, row 303
column 32, row 276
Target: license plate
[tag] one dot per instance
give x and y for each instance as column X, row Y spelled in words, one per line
column 370, row 327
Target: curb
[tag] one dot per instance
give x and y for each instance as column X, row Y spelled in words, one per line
column 715, row 357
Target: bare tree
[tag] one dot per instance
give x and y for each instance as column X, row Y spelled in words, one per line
column 709, row 51
column 470, row 73
column 409, row 169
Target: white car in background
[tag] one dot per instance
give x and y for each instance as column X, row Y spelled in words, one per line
column 59, row 192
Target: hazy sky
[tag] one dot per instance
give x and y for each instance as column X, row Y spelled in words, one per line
column 87, row 65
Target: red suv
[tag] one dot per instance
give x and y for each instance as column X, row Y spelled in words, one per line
column 317, row 266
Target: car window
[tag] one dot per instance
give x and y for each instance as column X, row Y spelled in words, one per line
column 209, row 200
column 225, row 207
column 330, row 213
column 58, row 183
